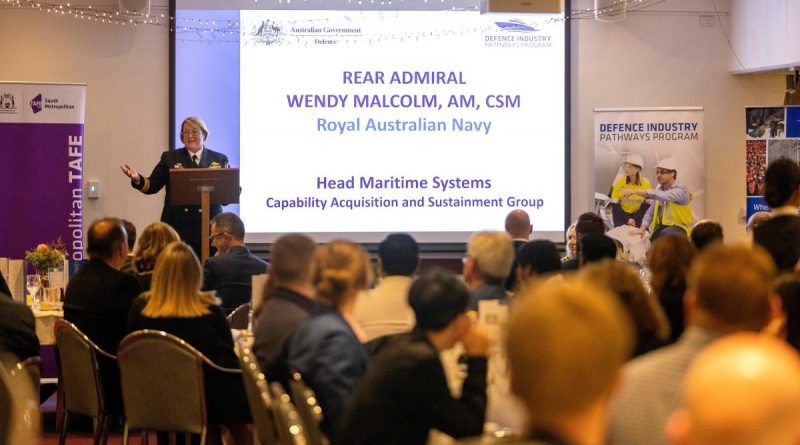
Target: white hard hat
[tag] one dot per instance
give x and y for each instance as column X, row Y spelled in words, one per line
column 634, row 160
column 667, row 164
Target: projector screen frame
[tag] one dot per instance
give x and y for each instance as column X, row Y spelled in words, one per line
column 434, row 242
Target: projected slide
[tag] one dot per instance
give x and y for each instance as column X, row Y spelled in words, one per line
column 404, row 121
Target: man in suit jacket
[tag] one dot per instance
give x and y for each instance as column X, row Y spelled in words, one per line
column 98, row 297
column 230, row 272
column 184, row 219
column 17, row 328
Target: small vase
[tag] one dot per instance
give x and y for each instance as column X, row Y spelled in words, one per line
column 45, row 279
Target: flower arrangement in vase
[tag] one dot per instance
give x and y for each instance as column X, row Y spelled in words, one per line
column 45, row 257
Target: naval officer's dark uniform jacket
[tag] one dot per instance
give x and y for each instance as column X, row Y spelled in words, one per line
column 186, row 220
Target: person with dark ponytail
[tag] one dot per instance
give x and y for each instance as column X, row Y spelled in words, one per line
column 328, row 350
column 780, row 234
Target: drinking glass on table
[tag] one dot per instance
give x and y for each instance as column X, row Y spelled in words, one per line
column 33, row 283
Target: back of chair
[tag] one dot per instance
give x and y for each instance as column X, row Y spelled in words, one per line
column 307, row 406
column 290, row 425
column 19, row 408
column 162, row 383
column 258, row 396
column 240, row 317
column 79, row 371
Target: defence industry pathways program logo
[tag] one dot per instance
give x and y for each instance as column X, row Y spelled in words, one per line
column 515, row 25
column 515, row 33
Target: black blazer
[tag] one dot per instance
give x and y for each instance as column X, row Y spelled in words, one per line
column 230, row 274
column 17, row 329
column 97, row 301
column 184, row 219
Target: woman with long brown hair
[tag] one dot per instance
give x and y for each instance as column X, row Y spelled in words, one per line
column 669, row 259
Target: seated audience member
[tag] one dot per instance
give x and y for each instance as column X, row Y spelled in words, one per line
column 489, row 258
column 17, row 328
column 130, row 230
column 728, row 291
column 230, row 272
column 98, row 299
column 405, row 394
column 519, row 228
column 571, row 243
column 755, row 220
column 706, row 232
column 652, row 328
column 787, row 325
column 536, row 259
column 176, row 305
column 669, row 260
column 595, row 248
column 589, row 223
column 780, row 234
column 565, row 381
column 384, row 310
column 741, row 390
column 288, row 302
column 781, row 237
column 782, row 187
column 154, row 239
column 327, row 350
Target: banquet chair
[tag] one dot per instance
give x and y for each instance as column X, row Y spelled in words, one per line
column 262, row 406
column 19, row 405
column 307, row 406
column 162, row 384
column 79, row 379
column 32, row 366
column 291, row 429
column 240, row 317
column 19, row 401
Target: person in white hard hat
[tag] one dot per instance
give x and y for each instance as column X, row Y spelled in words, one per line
column 671, row 211
column 629, row 210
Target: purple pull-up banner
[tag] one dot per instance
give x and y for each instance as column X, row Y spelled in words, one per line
column 41, row 167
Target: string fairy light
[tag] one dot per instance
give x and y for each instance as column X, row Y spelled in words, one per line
column 223, row 31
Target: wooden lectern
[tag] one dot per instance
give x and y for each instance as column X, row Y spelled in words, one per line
column 204, row 186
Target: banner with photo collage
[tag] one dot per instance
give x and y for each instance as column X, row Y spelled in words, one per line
column 41, row 170
column 644, row 136
column 770, row 133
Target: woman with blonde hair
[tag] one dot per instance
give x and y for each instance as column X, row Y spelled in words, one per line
column 327, row 351
column 176, row 305
column 153, row 240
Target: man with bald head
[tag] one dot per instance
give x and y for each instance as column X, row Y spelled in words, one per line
column 518, row 226
column 728, row 291
column 99, row 297
column 742, row 390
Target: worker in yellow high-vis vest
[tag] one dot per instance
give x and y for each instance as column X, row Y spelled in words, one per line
column 671, row 211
